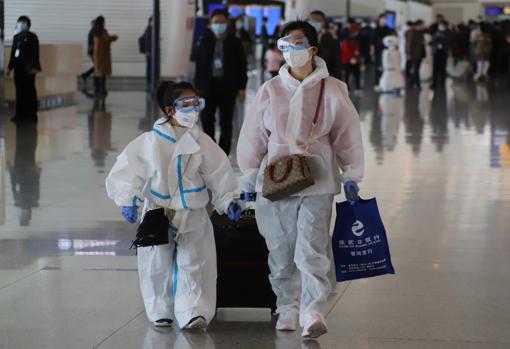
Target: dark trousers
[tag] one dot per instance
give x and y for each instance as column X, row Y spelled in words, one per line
column 26, row 95
column 100, row 86
column 87, row 73
column 414, row 72
column 355, row 71
column 439, row 69
column 367, row 58
column 220, row 98
column 378, row 67
column 263, row 56
column 148, row 71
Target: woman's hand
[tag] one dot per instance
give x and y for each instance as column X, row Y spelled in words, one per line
column 351, row 190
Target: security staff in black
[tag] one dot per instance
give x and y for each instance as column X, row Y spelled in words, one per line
column 221, row 76
column 24, row 61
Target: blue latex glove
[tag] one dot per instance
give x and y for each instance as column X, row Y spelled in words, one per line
column 351, row 190
column 234, row 211
column 248, row 197
column 130, row 213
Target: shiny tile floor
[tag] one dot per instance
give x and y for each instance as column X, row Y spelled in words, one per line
column 438, row 163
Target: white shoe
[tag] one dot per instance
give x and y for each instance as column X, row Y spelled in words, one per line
column 163, row 323
column 287, row 321
column 314, row 326
column 197, row 323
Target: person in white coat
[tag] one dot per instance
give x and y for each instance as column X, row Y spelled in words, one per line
column 426, row 66
column 392, row 79
column 296, row 229
column 173, row 167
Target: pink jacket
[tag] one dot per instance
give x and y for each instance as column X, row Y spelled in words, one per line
column 278, row 122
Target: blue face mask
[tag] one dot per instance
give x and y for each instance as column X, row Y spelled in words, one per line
column 219, row 28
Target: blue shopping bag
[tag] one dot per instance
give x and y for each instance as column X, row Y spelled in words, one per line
column 360, row 244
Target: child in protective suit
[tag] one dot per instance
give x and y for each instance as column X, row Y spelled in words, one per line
column 173, row 167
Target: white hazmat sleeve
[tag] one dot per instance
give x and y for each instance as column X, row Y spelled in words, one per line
column 126, row 180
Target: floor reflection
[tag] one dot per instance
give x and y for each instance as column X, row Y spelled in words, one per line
column 416, row 111
column 100, row 132
column 25, row 174
column 159, row 338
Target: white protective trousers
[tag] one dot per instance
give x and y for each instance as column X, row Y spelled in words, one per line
column 182, row 272
column 296, row 230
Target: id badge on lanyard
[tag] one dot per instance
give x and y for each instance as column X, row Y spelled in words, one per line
column 17, row 53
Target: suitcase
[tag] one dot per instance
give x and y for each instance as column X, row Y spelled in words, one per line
column 242, row 264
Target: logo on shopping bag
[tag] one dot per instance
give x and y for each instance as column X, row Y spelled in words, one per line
column 358, row 229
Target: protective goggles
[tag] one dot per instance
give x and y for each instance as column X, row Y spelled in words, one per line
column 188, row 104
column 292, row 42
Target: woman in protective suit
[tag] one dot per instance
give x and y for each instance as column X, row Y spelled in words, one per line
column 173, row 167
column 296, row 228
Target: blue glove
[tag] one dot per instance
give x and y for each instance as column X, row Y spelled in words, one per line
column 248, row 197
column 130, row 213
column 234, row 211
column 351, row 190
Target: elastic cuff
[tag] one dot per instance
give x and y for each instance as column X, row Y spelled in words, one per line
column 135, row 201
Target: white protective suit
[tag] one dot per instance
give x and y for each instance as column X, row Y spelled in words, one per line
column 392, row 78
column 166, row 170
column 296, row 229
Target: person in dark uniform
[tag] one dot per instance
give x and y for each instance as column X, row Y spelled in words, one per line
column 329, row 47
column 221, row 76
column 24, row 61
column 90, row 52
column 440, row 51
column 145, row 45
column 380, row 32
column 264, row 40
column 365, row 38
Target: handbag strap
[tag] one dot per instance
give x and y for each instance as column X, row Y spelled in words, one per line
column 316, row 117
column 319, row 103
column 286, row 174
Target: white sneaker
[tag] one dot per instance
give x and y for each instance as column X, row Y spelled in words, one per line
column 287, row 321
column 314, row 326
column 163, row 323
column 197, row 323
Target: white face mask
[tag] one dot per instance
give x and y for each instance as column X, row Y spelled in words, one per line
column 296, row 58
column 186, row 119
column 21, row 27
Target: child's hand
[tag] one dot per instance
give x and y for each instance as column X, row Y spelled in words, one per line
column 130, row 213
column 234, row 211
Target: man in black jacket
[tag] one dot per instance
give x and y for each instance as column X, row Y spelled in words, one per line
column 24, row 61
column 380, row 32
column 440, row 51
column 329, row 46
column 415, row 51
column 221, row 76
